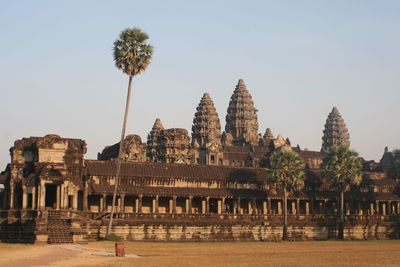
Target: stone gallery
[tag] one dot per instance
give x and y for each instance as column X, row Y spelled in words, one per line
column 210, row 186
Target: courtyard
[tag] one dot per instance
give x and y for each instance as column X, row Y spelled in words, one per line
column 313, row 253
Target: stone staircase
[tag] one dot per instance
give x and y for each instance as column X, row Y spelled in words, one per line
column 59, row 229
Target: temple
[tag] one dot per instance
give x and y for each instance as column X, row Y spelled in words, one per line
column 208, row 186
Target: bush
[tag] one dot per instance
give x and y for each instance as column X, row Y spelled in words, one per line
column 113, row 237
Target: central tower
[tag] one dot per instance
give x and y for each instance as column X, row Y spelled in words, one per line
column 241, row 119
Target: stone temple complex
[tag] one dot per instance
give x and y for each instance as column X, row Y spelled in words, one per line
column 208, row 186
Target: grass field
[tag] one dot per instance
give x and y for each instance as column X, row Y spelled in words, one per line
column 314, row 253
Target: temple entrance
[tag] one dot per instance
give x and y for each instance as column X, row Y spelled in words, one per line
column 51, row 196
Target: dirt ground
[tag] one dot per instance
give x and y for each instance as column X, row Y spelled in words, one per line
column 314, row 253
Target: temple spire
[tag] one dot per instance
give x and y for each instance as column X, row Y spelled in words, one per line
column 206, row 129
column 241, row 118
column 151, row 152
column 335, row 132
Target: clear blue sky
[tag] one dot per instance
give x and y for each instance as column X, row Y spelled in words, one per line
column 298, row 59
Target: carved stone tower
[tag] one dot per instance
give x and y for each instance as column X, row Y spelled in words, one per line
column 152, row 137
column 206, row 132
column 335, row 132
column 241, row 118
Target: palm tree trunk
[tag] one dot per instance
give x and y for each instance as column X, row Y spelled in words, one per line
column 285, row 233
column 118, row 162
column 341, row 225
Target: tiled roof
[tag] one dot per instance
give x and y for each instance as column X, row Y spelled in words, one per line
column 180, row 171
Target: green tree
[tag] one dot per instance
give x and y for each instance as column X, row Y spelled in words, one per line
column 394, row 165
column 132, row 54
column 285, row 172
column 342, row 167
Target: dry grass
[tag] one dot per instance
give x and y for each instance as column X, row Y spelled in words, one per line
column 323, row 253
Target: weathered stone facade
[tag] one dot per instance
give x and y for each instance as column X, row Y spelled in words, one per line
column 211, row 187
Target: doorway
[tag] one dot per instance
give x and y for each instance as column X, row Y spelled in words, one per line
column 51, row 196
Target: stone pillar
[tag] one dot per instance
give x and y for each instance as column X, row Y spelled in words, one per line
column 307, row 207
column 58, row 197
column 377, row 203
column 11, row 201
column 42, row 195
column 265, row 210
column 279, row 207
column 24, row 197
column 224, row 211
column 298, row 206
column 269, row 206
column 104, row 198
column 174, row 204
column 140, row 203
column 34, row 197
column 122, row 209
column 371, row 209
column 75, row 201
column 157, row 198
column 101, row 204
column 207, row 205
column 398, row 207
column 65, row 195
column 203, row 206
column 137, row 205
column 294, row 210
column 85, row 199
column 235, row 207
column 384, row 209
column 190, row 203
column 62, row 203
column 249, row 206
column 219, row 206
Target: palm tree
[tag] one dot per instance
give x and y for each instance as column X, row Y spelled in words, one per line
column 132, row 54
column 286, row 173
column 342, row 167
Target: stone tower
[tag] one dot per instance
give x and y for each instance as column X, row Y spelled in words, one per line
column 241, row 118
column 152, row 137
column 335, row 132
column 206, row 132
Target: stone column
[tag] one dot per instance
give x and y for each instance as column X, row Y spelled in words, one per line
column 294, row 210
column 377, row 203
column 101, row 204
column 137, row 205
column 297, row 206
column 34, row 188
column 58, row 197
column 224, row 211
column 190, row 202
column 75, row 201
column 203, row 206
column 371, row 208
column 265, row 210
column 307, row 207
column 104, row 202
column 66, row 195
column 235, row 207
column 85, row 199
column 174, row 204
column 42, row 195
column 11, row 201
column 207, row 205
column 269, row 206
column 62, row 203
column 384, row 209
column 24, row 197
column 156, row 201
column 140, row 203
column 279, row 207
column 122, row 208
column 219, row 206
column 249, row 206
column 398, row 207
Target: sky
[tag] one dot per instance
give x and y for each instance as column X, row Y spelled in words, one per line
column 297, row 58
